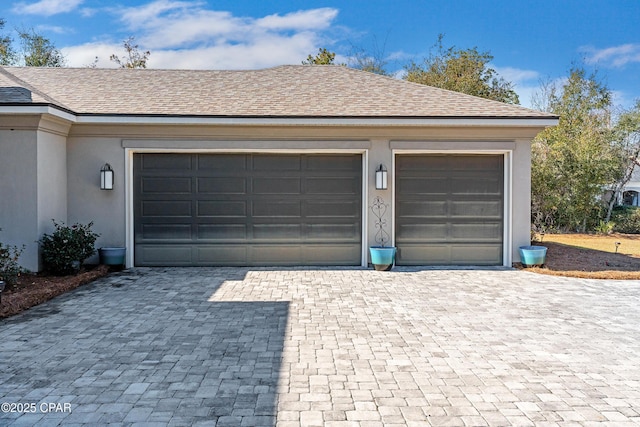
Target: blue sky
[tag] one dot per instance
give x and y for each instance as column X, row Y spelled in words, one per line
column 530, row 40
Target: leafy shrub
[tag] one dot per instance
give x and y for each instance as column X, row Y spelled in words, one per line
column 627, row 219
column 605, row 227
column 64, row 251
column 9, row 267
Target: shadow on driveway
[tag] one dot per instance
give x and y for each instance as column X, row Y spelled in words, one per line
column 145, row 346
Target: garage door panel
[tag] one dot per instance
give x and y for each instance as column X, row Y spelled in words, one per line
column 476, row 208
column 276, row 185
column 335, row 232
column 477, row 254
column 435, row 208
column 222, row 232
column 334, row 163
column 222, row 162
column 476, row 185
column 222, row 185
column 266, row 208
column 340, row 254
column 249, row 209
column 166, row 185
column 164, row 163
column 333, row 186
column 221, row 209
column 163, row 255
column 424, row 255
column 423, row 232
column 276, row 163
column 477, row 232
column 330, row 208
column 166, row 231
column 159, row 208
column 276, row 231
column 449, row 209
column 230, row 254
column 419, row 186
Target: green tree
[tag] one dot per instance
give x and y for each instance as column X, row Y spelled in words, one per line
column 7, row 53
column 462, row 70
column 39, row 51
column 134, row 58
column 574, row 162
column 323, row 57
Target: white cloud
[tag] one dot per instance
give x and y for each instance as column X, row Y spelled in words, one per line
column 54, row 29
column 313, row 19
column 46, row 7
column 525, row 82
column 615, row 56
column 85, row 54
column 185, row 34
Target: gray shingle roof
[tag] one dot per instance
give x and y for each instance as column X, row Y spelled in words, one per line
column 284, row 91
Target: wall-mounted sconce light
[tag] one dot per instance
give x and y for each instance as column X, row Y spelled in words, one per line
column 381, row 178
column 106, row 177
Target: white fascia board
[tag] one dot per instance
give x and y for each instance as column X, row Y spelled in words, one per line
column 277, row 121
column 37, row 109
column 313, row 121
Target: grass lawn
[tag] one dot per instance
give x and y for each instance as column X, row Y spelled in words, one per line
column 592, row 256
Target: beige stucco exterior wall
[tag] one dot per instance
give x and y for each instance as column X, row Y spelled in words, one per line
column 33, row 178
column 49, row 168
column 86, row 201
column 90, row 146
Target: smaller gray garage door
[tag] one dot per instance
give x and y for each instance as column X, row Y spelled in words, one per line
column 247, row 209
column 449, row 209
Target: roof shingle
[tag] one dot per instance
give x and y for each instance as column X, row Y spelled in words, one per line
column 284, row 91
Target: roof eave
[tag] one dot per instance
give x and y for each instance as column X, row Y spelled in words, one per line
column 162, row 119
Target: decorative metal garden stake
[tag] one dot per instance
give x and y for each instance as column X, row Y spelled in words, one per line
column 379, row 209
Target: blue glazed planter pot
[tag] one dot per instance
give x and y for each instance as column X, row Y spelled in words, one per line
column 382, row 257
column 112, row 256
column 532, row 256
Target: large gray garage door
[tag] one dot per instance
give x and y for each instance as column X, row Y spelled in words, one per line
column 449, row 209
column 247, row 209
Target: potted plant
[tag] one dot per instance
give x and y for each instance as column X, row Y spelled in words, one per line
column 382, row 256
column 533, row 256
column 114, row 255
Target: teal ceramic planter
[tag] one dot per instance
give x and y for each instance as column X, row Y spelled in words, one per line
column 382, row 257
column 533, row 256
column 112, row 256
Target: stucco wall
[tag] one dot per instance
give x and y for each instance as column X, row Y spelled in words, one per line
column 89, row 147
column 86, row 201
column 19, row 190
column 33, row 177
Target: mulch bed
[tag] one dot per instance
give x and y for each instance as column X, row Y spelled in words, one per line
column 34, row 289
column 571, row 261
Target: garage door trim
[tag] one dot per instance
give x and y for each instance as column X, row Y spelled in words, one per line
column 129, row 182
column 507, row 236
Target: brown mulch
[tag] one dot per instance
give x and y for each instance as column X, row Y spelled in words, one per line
column 34, row 289
column 571, row 261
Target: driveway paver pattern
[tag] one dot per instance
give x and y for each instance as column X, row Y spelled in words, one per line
column 326, row 347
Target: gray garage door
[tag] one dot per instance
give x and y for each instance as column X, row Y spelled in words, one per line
column 449, row 209
column 247, row 209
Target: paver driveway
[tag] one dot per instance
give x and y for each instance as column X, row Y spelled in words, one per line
column 244, row 347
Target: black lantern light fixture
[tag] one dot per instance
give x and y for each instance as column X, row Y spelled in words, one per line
column 381, row 178
column 106, row 177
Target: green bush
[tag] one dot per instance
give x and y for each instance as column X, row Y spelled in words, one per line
column 627, row 219
column 64, row 251
column 9, row 267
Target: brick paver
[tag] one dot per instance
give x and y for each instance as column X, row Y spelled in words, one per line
column 326, row 347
